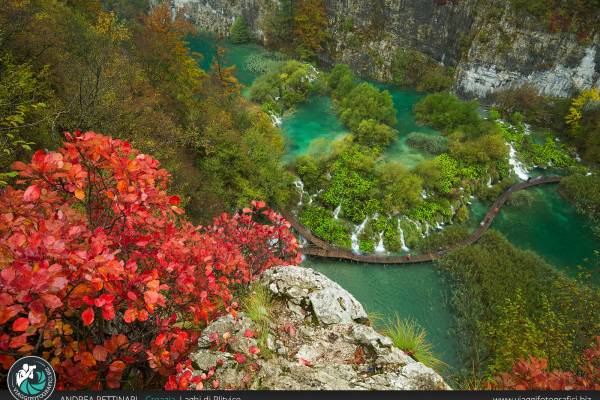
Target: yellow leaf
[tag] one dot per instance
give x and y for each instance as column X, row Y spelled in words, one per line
column 80, row 194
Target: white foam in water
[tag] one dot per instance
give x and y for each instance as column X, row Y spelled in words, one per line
column 355, row 233
column 380, row 248
column 275, row 119
column 336, row 212
column 300, row 186
column 518, row 168
column 402, row 242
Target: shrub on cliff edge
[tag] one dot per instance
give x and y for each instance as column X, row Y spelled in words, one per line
column 102, row 275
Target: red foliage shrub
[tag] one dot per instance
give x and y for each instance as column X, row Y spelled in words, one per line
column 101, row 274
column 533, row 374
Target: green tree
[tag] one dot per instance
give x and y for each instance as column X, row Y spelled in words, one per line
column 446, row 112
column 372, row 133
column 401, row 190
column 365, row 101
column 239, row 31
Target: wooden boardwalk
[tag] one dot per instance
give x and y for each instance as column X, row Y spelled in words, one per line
column 321, row 248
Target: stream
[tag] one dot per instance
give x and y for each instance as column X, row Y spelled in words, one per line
column 547, row 225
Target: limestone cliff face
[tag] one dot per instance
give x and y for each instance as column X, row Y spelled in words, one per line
column 317, row 339
column 490, row 47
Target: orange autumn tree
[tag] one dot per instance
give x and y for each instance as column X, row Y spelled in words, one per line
column 309, row 27
column 101, row 274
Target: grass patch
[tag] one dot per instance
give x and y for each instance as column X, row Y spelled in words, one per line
column 258, row 305
column 409, row 337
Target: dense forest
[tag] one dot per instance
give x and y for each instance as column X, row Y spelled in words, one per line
column 115, row 142
column 136, row 80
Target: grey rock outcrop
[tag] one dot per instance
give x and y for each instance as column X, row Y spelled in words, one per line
column 317, row 339
column 490, row 47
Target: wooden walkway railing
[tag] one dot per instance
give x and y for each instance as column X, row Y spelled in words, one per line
column 321, row 248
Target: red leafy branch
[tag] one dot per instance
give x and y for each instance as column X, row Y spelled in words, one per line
column 533, row 374
column 101, row 274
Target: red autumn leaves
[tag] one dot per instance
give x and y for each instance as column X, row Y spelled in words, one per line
column 533, row 374
column 100, row 273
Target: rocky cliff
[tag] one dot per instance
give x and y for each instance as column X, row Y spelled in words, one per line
column 317, row 338
column 488, row 44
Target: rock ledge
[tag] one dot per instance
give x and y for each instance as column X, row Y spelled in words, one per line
column 317, row 339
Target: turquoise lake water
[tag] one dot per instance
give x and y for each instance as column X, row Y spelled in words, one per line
column 549, row 225
column 312, row 123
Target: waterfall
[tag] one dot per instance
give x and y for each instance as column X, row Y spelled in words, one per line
column 275, row 119
column 300, row 186
column 518, row 168
column 357, row 231
column 336, row 212
column 313, row 73
column 424, row 194
column 489, row 182
column 426, row 229
column 402, row 242
column 302, row 241
column 380, row 248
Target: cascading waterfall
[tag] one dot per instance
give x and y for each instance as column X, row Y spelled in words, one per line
column 275, row 119
column 518, row 168
column 380, row 248
column 336, row 212
column 302, row 241
column 402, row 242
column 300, row 186
column 355, row 233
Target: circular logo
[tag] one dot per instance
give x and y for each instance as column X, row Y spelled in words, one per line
column 31, row 378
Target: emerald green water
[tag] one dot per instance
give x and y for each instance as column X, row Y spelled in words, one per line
column 316, row 123
column 311, row 127
column 235, row 54
column 549, row 225
column 415, row 292
column 404, row 101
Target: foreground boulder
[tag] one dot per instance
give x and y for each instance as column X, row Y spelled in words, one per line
column 317, row 338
